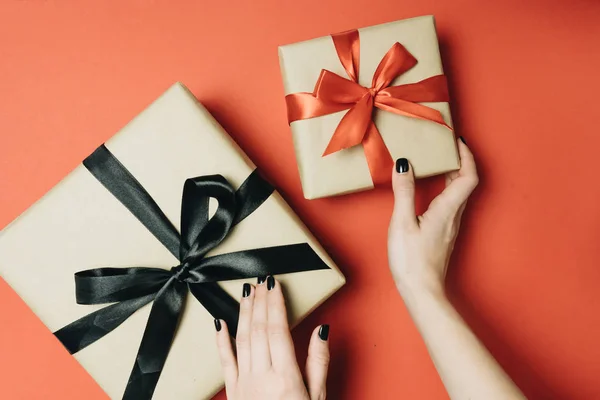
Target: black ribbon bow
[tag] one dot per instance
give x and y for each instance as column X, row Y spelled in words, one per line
column 132, row 288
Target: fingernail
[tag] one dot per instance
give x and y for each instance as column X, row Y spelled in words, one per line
column 324, row 332
column 218, row 325
column 246, row 290
column 462, row 139
column 261, row 279
column 270, row 282
column 402, row 165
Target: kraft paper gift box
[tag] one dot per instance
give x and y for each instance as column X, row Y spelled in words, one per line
column 413, row 121
column 80, row 225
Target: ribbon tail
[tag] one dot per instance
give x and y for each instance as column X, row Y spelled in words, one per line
column 353, row 127
column 412, row 110
column 156, row 342
column 245, row 264
column 379, row 160
column 218, row 303
column 433, row 89
column 94, row 326
column 276, row 260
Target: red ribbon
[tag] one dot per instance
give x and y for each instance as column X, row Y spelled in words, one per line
column 334, row 93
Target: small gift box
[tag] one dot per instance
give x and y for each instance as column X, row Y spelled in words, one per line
column 138, row 227
column 358, row 100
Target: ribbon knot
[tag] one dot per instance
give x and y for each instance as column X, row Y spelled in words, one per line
column 333, row 93
column 181, row 272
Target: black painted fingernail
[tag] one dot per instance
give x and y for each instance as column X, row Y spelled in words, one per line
column 261, row 279
column 270, row 282
column 246, row 290
column 218, row 325
column 462, row 139
column 324, row 332
column 401, row 165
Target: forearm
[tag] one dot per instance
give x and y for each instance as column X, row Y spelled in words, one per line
column 466, row 367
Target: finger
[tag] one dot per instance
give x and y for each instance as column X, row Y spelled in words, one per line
column 467, row 161
column 283, row 355
column 261, row 357
column 317, row 363
column 459, row 185
column 403, row 183
column 242, row 339
column 228, row 361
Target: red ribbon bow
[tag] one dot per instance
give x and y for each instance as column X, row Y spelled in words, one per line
column 334, row 93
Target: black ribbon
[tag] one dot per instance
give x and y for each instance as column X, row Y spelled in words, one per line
column 132, row 288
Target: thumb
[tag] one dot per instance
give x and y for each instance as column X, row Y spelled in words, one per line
column 403, row 183
column 317, row 363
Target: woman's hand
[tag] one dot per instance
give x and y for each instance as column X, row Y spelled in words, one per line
column 266, row 366
column 419, row 248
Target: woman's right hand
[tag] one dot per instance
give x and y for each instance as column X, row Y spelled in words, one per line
column 419, row 248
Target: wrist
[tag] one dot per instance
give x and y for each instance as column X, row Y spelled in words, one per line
column 417, row 290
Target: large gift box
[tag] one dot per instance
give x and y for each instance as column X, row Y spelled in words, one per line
column 169, row 218
column 360, row 99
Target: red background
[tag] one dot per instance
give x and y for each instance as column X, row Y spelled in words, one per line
column 523, row 79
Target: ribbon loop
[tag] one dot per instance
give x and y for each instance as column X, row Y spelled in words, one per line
column 395, row 62
column 332, row 88
column 108, row 285
column 199, row 233
column 347, row 46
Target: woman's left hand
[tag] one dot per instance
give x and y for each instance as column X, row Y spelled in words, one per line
column 266, row 366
